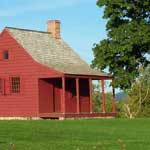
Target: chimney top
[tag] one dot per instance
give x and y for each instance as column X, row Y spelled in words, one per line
column 49, row 21
column 53, row 27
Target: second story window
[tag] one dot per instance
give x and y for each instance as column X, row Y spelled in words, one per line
column 15, row 84
column 5, row 55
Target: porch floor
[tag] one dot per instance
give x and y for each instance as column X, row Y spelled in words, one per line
column 75, row 115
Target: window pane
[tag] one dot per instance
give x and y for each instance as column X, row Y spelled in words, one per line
column 6, row 55
column 15, row 84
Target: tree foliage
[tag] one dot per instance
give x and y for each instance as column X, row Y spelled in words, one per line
column 97, row 99
column 138, row 102
column 128, row 40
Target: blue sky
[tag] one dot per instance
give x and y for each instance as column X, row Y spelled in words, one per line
column 81, row 20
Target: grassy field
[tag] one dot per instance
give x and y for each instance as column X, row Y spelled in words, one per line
column 100, row 134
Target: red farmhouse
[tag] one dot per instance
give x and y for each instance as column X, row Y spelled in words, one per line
column 42, row 77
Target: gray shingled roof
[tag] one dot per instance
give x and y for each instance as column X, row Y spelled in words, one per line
column 54, row 53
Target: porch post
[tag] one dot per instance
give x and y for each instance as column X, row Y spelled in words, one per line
column 113, row 99
column 78, row 95
column 90, row 92
column 103, row 97
column 63, row 102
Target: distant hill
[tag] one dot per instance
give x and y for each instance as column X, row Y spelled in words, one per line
column 121, row 96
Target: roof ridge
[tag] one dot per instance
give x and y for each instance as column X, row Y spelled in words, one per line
column 14, row 28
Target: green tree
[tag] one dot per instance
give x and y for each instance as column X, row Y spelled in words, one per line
column 97, row 99
column 128, row 40
column 138, row 103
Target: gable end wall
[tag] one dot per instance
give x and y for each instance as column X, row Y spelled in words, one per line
column 20, row 63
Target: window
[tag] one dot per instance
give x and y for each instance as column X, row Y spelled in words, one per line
column 15, row 84
column 1, row 86
column 5, row 55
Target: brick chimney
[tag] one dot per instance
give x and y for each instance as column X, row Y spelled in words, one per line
column 53, row 26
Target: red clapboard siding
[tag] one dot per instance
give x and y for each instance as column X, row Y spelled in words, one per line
column 71, row 99
column 46, row 98
column 20, row 63
column 84, row 95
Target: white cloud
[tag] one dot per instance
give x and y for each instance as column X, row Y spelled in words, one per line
column 20, row 7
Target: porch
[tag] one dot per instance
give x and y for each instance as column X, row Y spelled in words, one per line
column 71, row 97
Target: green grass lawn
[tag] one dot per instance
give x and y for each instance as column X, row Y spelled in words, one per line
column 99, row 134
